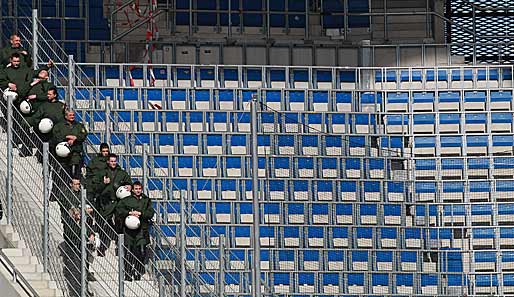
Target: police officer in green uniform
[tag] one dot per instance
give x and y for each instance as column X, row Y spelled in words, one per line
column 38, row 88
column 52, row 109
column 97, row 164
column 74, row 133
column 139, row 205
column 15, row 47
column 105, row 186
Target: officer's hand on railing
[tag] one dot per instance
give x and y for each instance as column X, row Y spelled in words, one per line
column 50, row 63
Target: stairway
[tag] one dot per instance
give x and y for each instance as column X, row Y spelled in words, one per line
column 26, row 237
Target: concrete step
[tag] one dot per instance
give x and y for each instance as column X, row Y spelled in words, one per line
column 49, row 292
column 16, row 252
column 30, row 268
column 24, row 260
column 35, row 276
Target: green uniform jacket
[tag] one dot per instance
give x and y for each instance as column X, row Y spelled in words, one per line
column 140, row 236
column 97, row 164
column 59, row 133
column 52, row 110
column 68, row 199
column 106, row 199
column 72, row 230
column 21, row 77
column 40, row 89
column 6, row 52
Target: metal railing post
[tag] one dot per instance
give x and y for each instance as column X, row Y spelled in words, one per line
column 46, row 199
column 221, row 283
column 121, row 267
column 70, row 100
column 182, row 245
column 83, row 235
column 145, row 168
column 9, row 177
column 35, row 37
column 256, row 271
column 108, row 120
column 161, row 286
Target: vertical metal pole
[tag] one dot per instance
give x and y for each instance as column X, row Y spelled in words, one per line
column 221, row 289
column 346, row 24
column 145, row 168
column 9, row 177
column 121, row 267
column 182, row 244
column 161, row 286
column 108, row 120
column 307, row 33
column 229, row 18
column 71, row 82
column 268, row 21
column 256, row 271
column 83, row 236
column 46, row 199
column 190, row 18
column 386, row 37
column 35, row 38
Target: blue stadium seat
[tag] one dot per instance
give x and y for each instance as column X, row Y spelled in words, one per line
column 364, row 237
column 486, row 283
column 291, row 237
column 335, row 260
column 356, row 283
column 501, row 100
column 372, row 191
column 483, row 238
column 215, row 144
column 485, row 261
column 424, row 123
column 453, row 191
column 404, row 284
column 395, row 191
column 502, row 145
column 392, row 214
column 397, row 102
column 477, row 145
column 424, row 145
column 359, row 260
column 478, row 167
column 343, row 101
column 380, row 283
column 501, row 122
column 389, row 239
column 429, row 284
column 449, row 123
column 449, row 101
column 311, row 260
column 423, row 101
column 452, row 168
column 340, row 237
column 476, row 122
column 368, row 214
column 396, row 123
column 315, row 237
column 474, row 100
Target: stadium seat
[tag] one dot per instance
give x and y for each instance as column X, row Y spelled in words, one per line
column 449, row 101
column 501, row 100
column 397, row 102
column 475, row 122
column 423, row 101
column 474, row 100
column 501, row 122
column 388, row 238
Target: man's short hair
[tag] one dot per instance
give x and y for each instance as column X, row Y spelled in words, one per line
column 104, row 146
column 137, row 183
column 54, row 89
column 113, row 155
column 15, row 55
column 126, row 184
column 12, row 36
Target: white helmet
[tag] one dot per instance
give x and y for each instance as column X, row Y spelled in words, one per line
column 123, row 192
column 25, row 107
column 9, row 93
column 132, row 222
column 62, row 149
column 46, row 125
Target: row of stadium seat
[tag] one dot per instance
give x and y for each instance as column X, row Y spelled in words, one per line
column 342, row 214
column 336, row 260
column 269, row 122
column 291, row 100
column 238, row 144
column 294, row 77
column 305, row 284
column 477, row 238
